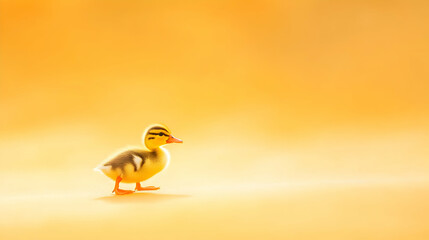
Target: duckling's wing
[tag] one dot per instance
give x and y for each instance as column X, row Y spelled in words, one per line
column 133, row 157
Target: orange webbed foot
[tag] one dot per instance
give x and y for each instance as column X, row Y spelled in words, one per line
column 140, row 188
column 118, row 191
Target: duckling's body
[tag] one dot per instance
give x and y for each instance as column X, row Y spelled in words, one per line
column 134, row 165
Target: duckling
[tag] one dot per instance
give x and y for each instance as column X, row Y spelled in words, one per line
column 134, row 165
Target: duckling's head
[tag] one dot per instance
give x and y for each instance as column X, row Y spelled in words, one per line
column 158, row 135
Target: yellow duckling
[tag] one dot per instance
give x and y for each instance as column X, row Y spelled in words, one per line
column 136, row 165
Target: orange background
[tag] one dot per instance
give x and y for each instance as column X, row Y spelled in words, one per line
column 279, row 103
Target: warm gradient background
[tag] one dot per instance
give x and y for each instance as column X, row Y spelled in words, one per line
column 300, row 119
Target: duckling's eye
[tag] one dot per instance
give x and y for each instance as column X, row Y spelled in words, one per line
column 161, row 134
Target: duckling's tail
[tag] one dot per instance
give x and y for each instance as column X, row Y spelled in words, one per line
column 102, row 169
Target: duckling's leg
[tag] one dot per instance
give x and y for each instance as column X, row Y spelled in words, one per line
column 140, row 188
column 118, row 191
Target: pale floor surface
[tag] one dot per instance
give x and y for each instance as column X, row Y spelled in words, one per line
column 391, row 209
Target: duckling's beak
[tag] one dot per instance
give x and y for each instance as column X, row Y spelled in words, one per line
column 172, row 139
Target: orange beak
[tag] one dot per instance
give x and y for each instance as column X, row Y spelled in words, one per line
column 172, row 139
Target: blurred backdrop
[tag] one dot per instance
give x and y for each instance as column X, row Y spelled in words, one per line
column 81, row 77
column 260, row 91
